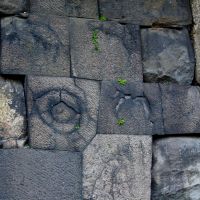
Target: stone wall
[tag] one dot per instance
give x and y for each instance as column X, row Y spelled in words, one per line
column 99, row 100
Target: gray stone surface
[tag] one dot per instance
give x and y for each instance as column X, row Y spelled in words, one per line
column 62, row 112
column 12, row 113
column 138, row 104
column 181, row 108
column 176, row 169
column 105, row 50
column 40, row 175
column 10, row 7
column 146, row 12
column 117, row 167
column 36, row 46
column 74, row 8
column 167, row 55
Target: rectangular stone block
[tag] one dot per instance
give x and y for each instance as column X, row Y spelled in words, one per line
column 168, row 55
column 14, row 7
column 62, row 112
column 105, row 50
column 117, row 167
column 170, row 13
column 36, row 46
column 133, row 108
column 181, row 108
column 176, row 168
column 33, row 175
column 73, row 8
column 12, row 113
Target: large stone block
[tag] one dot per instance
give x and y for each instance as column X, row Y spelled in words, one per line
column 12, row 7
column 40, row 175
column 105, row 50
column 12, row 113
column 145, row 12
column 73, row 8
column 37, row 45
column 181, row 108
column 62, row 112
column 133, row 108
column 117, row 167
column 176, row 169
column 167, row 55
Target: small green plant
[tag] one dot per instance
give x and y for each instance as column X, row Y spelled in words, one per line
column 77, row 127
column 95, row 40
column 121, row 122
column 122, row 82
column 103, row 18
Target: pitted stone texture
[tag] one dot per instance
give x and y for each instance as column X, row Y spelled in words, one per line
column 39, row 175
column 176, row 168
column 105, row 50
column 12, row 113
column 36, row 46
column 117, row 167
column 62, row 112
column 181, row 108
column 12, row 7
column 73, row 8
column 147, row 12
column 138, row 104
column 167, row 55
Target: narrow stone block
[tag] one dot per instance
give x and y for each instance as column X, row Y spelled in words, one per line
column 12, row 113
column 13, row 7
column 167, row 55
column 73, row 8
column 62, row 112
column 37, row 46
column 145, row 12
column 176, row 168
column 130, row 109
column 105, row 50
column 30, row 174
column 117, row 167
column 181, row 108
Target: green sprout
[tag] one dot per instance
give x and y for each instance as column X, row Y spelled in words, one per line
column 121, row 122
column 77, row 127
column 95, row 40
column 103, row 18
column 122, row 82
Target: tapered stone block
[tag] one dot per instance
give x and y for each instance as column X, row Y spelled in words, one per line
column 167, row 55
column 145, row 12
column 117, row 167
column 181, row 108
column 73, row 8
column 105, row 50
column 133, row 108
column 30, row 174
column 37, row 46
column 13, row 7
column 176, row 168
column 12, row 113
column 62, row 112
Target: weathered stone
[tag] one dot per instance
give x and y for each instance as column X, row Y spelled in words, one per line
column 12, row 113
column 62, row 112
column 145, row 12
column 40, row 175
column 10, row 7
column 138, row 105
column 176, row 169
column 117, row 167
column 181, row 108
column 105, row 50
column 73, row 8
column 37, row 45
column 167, row 55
